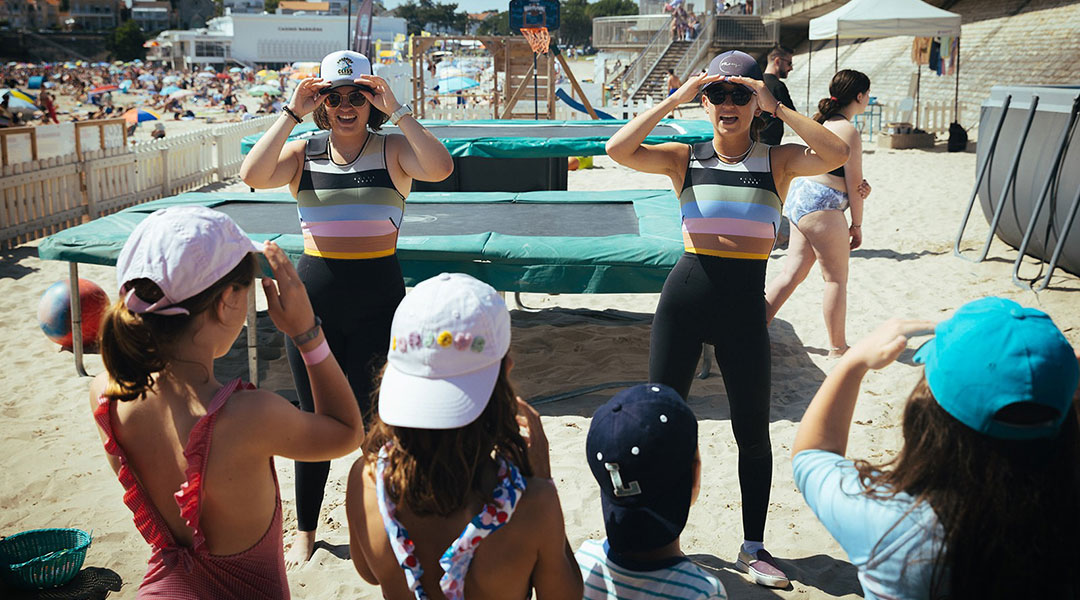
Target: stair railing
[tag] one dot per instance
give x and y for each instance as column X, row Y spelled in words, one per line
column 697, row 51
column 639, row 70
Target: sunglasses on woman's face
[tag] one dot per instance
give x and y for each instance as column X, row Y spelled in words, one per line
column 333, row 99
column 717, row 95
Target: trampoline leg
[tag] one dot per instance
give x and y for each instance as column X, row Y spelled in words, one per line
column 76, row 320
column 1008, row 181
column 982, row 173
column 1054, row 172
column 521, row 305
column 706, row 362
column 1061, row 241
column 252, row 339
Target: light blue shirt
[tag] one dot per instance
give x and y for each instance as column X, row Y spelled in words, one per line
column 891, row 542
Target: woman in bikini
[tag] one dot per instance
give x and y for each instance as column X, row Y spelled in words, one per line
column 815, row 205
column 450, row 498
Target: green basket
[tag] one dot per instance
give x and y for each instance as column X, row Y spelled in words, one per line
column 42, row 558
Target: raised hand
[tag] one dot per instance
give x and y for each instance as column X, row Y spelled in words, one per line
column 689, row 90
column 884, row 344
column 380, row 95
column 306, row 97
column 286, row 297
column 765, row 99
column 533, row 432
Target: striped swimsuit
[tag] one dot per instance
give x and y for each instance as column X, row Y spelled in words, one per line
column 716, row 295
column 348, row 211
column 350, row 215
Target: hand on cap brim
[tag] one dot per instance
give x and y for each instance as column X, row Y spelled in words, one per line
column 883, row 345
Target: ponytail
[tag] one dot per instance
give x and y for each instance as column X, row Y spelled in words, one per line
column 134, row 346
column 844, row 89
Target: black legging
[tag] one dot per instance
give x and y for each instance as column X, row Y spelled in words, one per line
column 721, row 301
column 356, row 300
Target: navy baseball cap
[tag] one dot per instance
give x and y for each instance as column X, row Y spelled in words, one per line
column 994, row 353
column 736, row 64
column 641, row 448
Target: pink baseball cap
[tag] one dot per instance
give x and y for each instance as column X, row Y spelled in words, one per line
column 184, row 250
column 447, row 341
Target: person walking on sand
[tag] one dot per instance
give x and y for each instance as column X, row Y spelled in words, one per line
column 193, row 454
column 815, row 205
column 987, row 474
column 451, row 499
column 350, row 188
column 779, row 66
column 730, row 191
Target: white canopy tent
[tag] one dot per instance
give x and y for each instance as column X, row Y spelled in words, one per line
column 877, row 18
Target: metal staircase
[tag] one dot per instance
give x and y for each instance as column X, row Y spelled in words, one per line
column 654, row 84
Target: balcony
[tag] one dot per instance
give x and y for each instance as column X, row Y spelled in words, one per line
column 633, row 33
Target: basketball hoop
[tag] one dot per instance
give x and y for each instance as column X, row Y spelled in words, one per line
column 538, row 37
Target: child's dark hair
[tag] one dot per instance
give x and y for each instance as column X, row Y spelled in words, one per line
column 998, row 501
column 436, row 471
column 844, row 89
column 135, row 346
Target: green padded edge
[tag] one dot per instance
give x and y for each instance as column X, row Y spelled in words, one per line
column 496, row 146
column 567, row 265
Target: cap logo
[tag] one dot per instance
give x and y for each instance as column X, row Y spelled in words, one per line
column 344, row 66
column 621, row 490
column 724, row 64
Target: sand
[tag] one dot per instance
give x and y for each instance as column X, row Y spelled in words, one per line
column 54, row 472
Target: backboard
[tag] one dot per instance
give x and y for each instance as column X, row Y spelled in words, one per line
column 534, row 13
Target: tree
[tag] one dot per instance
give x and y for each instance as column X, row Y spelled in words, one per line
column 126, row 42
column 575, row 24
column 270, row 6
column 612, row 8
column 441, row 17
column 498, row 24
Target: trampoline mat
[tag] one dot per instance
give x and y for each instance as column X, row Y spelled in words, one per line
column 596, row 129
column 579, row 219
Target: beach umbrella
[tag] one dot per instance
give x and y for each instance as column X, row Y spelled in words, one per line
column 147, row 77
column 170, row 79
column 451, row 85
column 17, row 102
column 181, row 94
column 235, row 70
column 205, row 75
column 223, row 76
column 17, row 94
column 165, row 91
column 138, row 115
column 125, row 85
column 101, row 89
column 259, row 90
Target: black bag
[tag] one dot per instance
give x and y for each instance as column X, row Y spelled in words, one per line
column 958, row 137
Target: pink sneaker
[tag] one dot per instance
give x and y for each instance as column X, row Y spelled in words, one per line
column 762, row 568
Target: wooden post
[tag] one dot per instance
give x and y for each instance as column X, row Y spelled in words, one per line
column 576, row 87
column 519, row 92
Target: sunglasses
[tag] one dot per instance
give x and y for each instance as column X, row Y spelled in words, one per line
column 739, row 95
column 333, row 99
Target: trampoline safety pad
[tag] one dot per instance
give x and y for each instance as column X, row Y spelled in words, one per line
column 545, row 242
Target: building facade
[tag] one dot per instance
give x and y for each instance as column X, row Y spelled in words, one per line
column 152, row 15
column 266, row 40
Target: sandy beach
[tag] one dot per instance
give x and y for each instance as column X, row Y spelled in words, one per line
column 54, row 472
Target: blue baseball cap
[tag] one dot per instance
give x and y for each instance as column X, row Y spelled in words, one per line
column 994, row 353
column 641, row 447
column 736, row 64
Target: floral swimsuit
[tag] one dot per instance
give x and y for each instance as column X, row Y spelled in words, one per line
column 455, row 561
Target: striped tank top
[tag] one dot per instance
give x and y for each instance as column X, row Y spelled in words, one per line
column 729, row 210
column 348, row 211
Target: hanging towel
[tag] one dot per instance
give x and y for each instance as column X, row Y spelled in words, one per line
column 920, row 50
column 935, row 56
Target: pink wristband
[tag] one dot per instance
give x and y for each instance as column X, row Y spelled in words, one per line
column 317, row 355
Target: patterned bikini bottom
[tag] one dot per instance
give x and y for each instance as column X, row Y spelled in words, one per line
column 806, row 196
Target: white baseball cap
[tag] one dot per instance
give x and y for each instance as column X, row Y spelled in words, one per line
column 184, row 250
column 447, row 343
column 342, row 68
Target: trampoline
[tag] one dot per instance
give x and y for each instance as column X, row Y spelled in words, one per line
column 519, row 156
column 544, row 242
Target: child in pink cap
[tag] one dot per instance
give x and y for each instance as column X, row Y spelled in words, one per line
column 195, row 456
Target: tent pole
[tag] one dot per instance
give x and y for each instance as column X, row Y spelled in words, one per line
column 918, row 82
column 956, row 95
column 836, row 56
column 809, row 58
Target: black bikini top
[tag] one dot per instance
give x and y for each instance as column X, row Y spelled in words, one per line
column 838, row 171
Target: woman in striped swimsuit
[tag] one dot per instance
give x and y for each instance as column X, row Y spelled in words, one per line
column 730, row 190
column 350, row 189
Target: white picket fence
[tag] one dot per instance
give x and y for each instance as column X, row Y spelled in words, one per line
column 40, row 197
column 933, row 116
column 453, row 112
